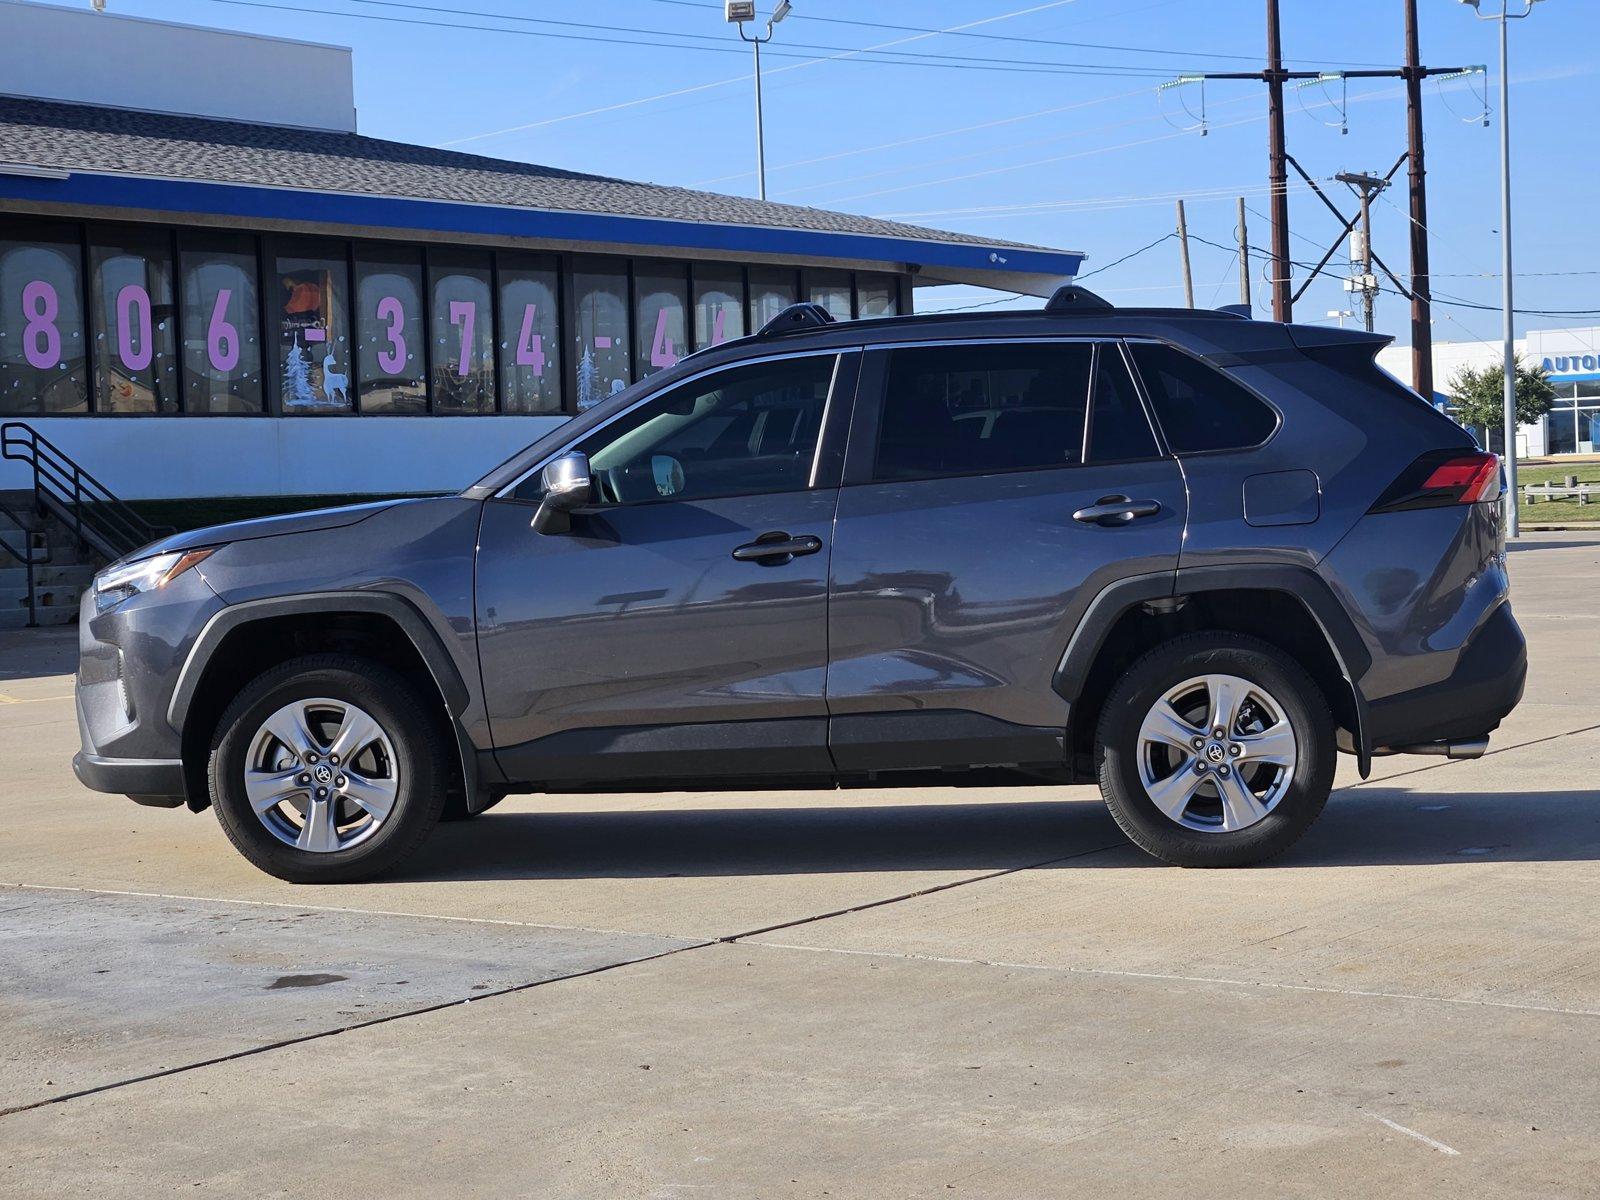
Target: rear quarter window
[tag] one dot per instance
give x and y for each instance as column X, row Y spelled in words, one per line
column 1198, row 407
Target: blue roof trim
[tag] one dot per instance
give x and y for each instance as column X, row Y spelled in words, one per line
column 345, row 208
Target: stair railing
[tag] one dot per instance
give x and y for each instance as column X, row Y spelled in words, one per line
column 97, row 517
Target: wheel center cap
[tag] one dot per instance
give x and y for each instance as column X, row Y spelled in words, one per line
column 1215, row 752
column 323, row 773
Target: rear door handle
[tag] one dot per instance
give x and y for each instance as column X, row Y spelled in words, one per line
column 1112, row 511
column 775, row 549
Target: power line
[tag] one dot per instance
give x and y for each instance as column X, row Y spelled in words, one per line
column 1035, row 41
column 928, row 137
column 652, row 39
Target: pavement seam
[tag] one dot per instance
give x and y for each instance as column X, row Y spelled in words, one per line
column 252, row 1051
column 333, row 908
column 1456, row 762
column 355, row 1026
column 927, row 891
column 1160, row 977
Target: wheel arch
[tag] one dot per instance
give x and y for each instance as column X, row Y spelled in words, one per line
column 1288, row 606
column 241, row 640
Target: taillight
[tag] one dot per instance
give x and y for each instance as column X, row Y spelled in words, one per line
column 1443, row 477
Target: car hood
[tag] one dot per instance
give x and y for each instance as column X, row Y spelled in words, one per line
column 262, row 527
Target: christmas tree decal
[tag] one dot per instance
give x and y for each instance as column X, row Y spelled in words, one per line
column 297, row 376
column 588, row 392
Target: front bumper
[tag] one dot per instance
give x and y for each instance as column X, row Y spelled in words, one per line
column 157, row 782
column 129, row 658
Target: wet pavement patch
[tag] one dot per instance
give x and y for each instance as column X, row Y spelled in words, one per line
column 316, row 979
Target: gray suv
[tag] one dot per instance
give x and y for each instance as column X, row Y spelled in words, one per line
column 1185, row 554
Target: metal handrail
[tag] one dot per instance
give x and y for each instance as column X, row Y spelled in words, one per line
column 95, row 513
column 28, row 561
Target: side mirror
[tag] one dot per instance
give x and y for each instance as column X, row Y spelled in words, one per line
column 567, row 485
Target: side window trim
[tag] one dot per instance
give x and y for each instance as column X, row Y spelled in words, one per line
column 836, row 409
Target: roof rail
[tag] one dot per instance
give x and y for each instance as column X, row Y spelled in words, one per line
column 1072, row 298
column 796, row 317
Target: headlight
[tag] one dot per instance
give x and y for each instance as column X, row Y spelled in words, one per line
column 125, row 580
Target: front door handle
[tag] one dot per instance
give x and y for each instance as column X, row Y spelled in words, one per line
column 775, row 549
column 1112, row 511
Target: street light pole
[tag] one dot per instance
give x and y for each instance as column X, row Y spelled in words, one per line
column 737, row 13
column 1504, row 16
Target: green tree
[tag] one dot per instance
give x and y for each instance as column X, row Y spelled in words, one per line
column 1480, row 395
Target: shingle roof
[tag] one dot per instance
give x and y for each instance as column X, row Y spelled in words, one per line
column 89, row 138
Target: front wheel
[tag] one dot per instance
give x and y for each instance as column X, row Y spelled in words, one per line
column 327, row 769
column 1215, row 750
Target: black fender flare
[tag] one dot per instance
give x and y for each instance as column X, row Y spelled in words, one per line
column 1304, row 584
column 424, row 638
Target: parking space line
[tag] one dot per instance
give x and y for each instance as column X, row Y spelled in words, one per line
column 1412, row 1133
column 1159, row 977
column 5, row 699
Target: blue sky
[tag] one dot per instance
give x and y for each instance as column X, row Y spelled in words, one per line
column 1082, row 156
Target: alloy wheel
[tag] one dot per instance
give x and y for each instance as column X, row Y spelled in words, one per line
column 1216, row 753
column 321, row 775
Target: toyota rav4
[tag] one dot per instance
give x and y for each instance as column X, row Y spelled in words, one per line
column 1185, row 554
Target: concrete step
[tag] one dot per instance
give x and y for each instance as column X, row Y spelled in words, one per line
column 19, row 539
column 45, row 574
column 49, row 614
column 12, row 598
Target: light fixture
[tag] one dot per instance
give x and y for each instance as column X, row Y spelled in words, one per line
column 781, row 11
column 738, row 11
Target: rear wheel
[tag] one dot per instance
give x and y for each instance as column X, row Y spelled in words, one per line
column 1215, row 750
column 327, row 770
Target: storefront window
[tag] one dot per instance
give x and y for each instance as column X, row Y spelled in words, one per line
column 663, row 297
column 530, row 351
column 221, row 345
column 772, row 289
column 135, row 354
column 604, row 366
column 389, row 336
column 1560, row 429
column 718, row 305
column 463, row 332
column 312, row 331
column 831, row 289
column 878, row 295
column 42, row 344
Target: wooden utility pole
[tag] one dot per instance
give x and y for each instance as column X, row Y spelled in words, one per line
column 1183, row 250
column 1277, row 169
column 1244, row 257
column 1421, row 288
column 1279, row 160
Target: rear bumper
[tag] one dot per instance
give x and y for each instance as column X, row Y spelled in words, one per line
column 154, row 781
column 1486, row 684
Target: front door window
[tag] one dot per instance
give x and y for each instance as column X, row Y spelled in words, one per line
column 746, row 431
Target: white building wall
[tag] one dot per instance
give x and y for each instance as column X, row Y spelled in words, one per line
column 1567, row 355
column 79, row 55
column 148, row 458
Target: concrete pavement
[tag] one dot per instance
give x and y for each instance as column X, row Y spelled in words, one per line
column 886, row 994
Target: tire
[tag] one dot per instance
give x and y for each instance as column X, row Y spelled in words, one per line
column 1229, row 801
column 400, row 771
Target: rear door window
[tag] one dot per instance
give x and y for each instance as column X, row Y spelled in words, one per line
column 983, row 408
column 1199, row 407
